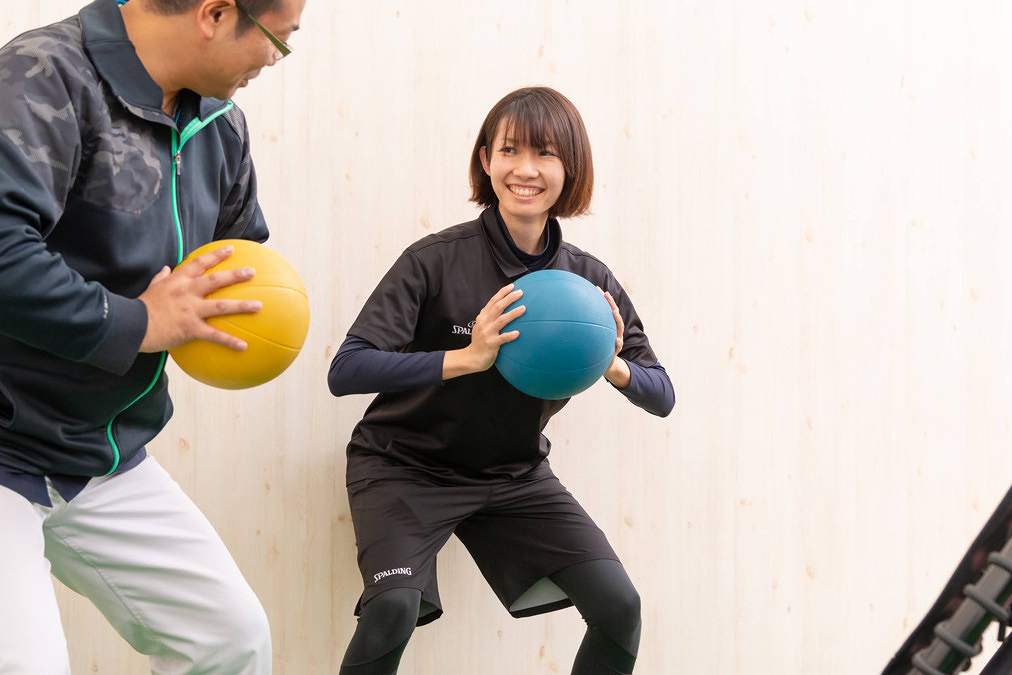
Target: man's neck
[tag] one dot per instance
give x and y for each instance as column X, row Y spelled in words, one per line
column 157, row 49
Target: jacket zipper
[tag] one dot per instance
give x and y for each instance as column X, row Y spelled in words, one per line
column 179, row 139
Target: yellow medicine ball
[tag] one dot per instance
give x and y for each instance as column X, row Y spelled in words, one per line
column 274, row 335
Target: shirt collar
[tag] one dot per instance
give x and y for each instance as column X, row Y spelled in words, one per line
column 503, row 253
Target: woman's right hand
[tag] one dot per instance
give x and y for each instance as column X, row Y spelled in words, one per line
column 486, row 336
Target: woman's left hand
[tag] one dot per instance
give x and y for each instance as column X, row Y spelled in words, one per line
column 618, row 371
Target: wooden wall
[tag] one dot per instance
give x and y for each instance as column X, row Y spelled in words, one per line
column 807, row 201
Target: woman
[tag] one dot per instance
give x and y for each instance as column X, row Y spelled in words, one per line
column 448, row 446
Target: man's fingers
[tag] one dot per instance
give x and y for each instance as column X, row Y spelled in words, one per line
column 222, row 338
column 202, row 263
column 211, row 308
column 209, row 283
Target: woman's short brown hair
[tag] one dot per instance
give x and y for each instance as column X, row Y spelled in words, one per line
column 539, row 117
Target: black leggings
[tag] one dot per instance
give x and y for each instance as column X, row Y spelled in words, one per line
column 600, row 589
column 605, row 596
column 382, row 634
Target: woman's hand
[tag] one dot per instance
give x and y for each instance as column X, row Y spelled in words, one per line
column 486, row 336
column 618, row 372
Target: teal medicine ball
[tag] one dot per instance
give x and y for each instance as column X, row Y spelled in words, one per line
column 567, row 336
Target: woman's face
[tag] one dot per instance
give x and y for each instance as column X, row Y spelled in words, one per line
column 527, row 180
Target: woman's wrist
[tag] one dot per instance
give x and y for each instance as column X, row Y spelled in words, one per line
column 458, row 362
column 618, row 373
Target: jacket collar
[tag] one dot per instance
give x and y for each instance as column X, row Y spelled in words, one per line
column 117, row 63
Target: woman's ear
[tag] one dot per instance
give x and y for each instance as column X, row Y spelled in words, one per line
column 484, row 159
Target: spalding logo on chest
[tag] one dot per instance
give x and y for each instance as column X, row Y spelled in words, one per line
column 462, row 330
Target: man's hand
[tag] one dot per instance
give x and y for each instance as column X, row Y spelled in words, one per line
column 178, row 309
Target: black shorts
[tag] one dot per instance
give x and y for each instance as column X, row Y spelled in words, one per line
column 518, row 531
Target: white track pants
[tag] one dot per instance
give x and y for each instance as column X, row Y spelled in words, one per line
column 137, row 547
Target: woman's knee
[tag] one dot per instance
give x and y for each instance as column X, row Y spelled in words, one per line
column 383, row 631
column 393, row 613
column 624, row 606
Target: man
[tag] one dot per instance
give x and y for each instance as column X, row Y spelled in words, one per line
column 119, row 153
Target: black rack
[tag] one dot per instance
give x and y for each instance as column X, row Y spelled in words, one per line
column 949, row 636
column 957, row 640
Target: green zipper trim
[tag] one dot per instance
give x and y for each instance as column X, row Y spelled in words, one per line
column 108, row 428
column 179, row 139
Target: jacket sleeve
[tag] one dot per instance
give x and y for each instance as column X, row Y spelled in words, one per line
column 241, row 216
column 43, row 302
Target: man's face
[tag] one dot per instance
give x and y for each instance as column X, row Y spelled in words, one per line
column 233, row 58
